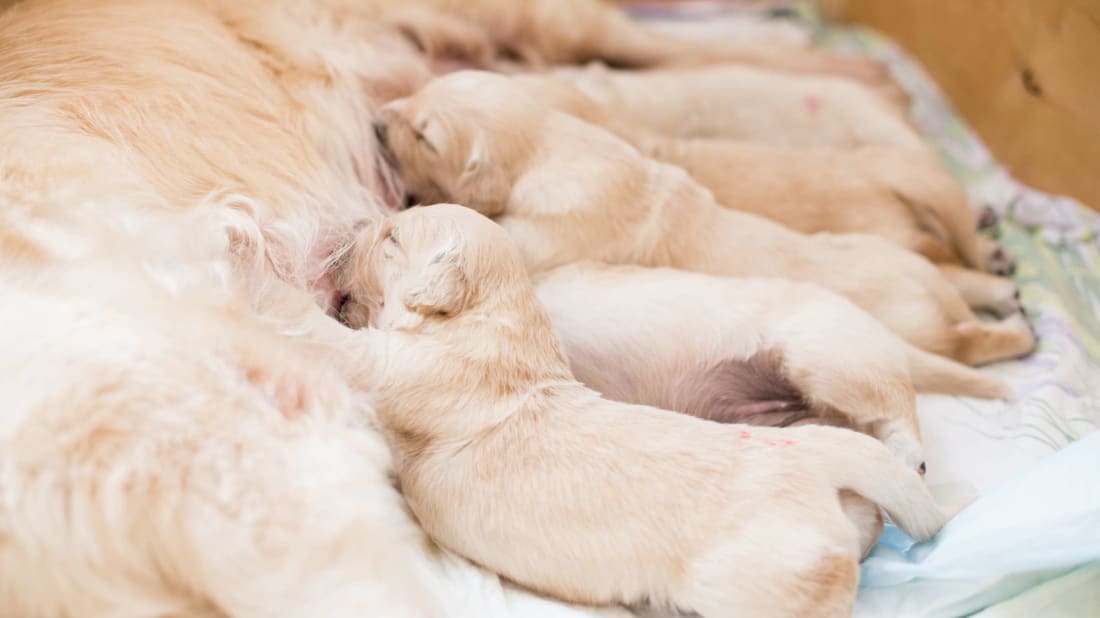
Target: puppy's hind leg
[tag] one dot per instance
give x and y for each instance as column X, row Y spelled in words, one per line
column 858, row 374
column 983, row 291
column 978, row 343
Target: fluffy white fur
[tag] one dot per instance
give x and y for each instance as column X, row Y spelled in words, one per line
column 164, row 450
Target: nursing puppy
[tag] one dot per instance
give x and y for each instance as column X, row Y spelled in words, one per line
column 503, row 34
column 903, row 196
column 266, row 105
column 165, row 452
column 748, row 103
column 568, row 191
column 506, row 459
column 760, row 351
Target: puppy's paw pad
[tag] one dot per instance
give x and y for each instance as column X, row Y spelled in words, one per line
column 1000, row 262
column 987, row 218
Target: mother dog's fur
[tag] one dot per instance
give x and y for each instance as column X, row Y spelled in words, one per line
column 164, row 450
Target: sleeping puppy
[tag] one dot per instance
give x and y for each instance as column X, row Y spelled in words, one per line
column 506, row 459
column 904, row 196
column 760, row 351
column 539, row 33
column 749, row 103
column 569, row 191
column 266, row 106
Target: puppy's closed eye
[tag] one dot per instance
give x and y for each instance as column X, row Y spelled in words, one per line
column 391, row 244
column 423, row 141
column 429, row 133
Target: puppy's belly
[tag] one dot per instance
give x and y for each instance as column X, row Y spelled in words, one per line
column 753, row 390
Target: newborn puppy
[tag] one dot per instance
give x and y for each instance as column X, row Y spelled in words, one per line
column 749, row 103
column 902, row 195
column 760, row 351
column 506, row 459
column 568, row 191
column 548, row 32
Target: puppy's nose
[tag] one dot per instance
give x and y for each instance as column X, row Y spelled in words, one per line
column 922, row 469
column 379, row 126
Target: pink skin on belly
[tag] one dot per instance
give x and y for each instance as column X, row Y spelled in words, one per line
column 325, row 293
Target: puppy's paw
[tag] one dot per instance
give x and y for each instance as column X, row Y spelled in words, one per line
column 997, row 260
column 1006, row 300
column 1001, row 263
column 987, row 218
column 900, row 440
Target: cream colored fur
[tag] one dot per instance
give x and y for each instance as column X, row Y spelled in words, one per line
column 627, row 334
column 903, row 196
column 509, row 461
column 568, row 191
column 749, row 103
column 163, row 449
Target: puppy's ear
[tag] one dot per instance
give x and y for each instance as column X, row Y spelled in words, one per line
column 441, row 285
column 484, row 181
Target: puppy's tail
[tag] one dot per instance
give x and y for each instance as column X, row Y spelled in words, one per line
column 862, row 464
column 935, row 374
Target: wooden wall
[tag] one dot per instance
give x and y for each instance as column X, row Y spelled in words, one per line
column 1025, row 74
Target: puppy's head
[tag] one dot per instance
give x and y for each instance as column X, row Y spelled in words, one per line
column 463, row 138
column 425, row 264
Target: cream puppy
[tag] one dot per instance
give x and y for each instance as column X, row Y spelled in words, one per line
column 165, row 452
column 904, row 196
column 266, row 105
column 749, row 103
column 506, row 459
column 568, row 191
column 552, row 32
column 740, row 350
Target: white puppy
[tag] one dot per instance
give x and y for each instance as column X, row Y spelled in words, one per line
column 759, row 351
column 753, row 104
column 506, row 459
column 567, row 190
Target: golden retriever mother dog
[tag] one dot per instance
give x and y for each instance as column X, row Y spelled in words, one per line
column 166, row 452
column 567, row 191
column 508, row 460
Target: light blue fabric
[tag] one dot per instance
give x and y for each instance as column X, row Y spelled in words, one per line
column 1041, row 525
